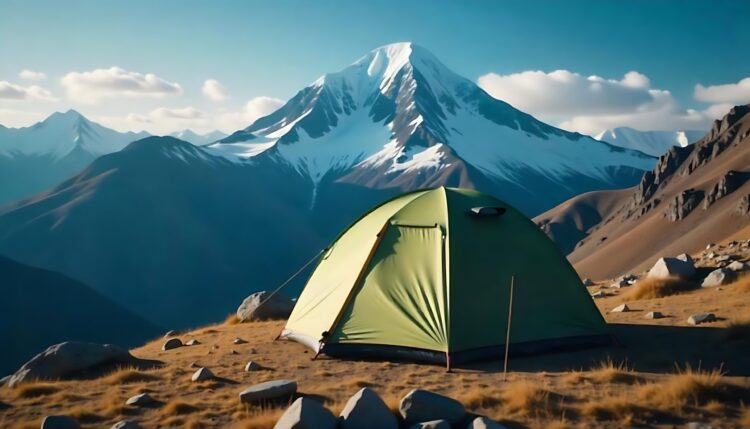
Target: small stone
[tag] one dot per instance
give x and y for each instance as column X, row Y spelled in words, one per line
column 193, row 342
column 600, row 294
column 171, row 343
column 234, row 352
column 195, row 365
column 59, row 422
column 126, row 424
column 141, row 400
column 710, row 245
column 622, row 308
column 654, row 315
column 588, row 282
column 697, row 319
column 619, row 284
column 268, row 391
column 484, row 423
column 252, row 366
column 433, row 424
column 202, row 374
column 738, row 266
column 718, row 277
column 239, row 341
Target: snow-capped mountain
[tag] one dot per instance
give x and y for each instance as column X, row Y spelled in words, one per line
column 191, row 136
column 654, row 143
column 34, row 158
column 399, row 118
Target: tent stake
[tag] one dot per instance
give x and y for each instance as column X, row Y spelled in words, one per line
column 507, row 334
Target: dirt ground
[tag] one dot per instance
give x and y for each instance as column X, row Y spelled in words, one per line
column 664, row 373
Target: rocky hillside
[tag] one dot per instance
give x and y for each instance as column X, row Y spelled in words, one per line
column 696, row 194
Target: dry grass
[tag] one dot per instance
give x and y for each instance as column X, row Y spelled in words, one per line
column 129, row 375
column 742, row 283
column 178, row 408
column 613, row 407
column 477, row 397
column 261, row 418
column 231, row 320
column 647, row 288
column 34, row 389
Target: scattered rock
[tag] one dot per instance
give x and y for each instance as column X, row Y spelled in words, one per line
column 699, row 318
column 424, row 406
column 203, row 374
column 718, row 277
column 171, row 343
column 738, row 266
column 588, row 282
column 141, row 400
column 238, row 341
column 672, row 267
column 60, row 422
column 306, row 413
column 619, row 284
column 683, row 204
column 484, row 423
column 622, row 308
column 72, row 358
column 126, row 424
column 268, row 391
column 234, row 352
column 654, row 315
column 724, row 258
column 193, row 342
column 600, row 294
column 253, row 366
column 710, row 245
column 728, row 183
column 366, row 410
column 275, row 307
column 743, row 206
column 434, row 424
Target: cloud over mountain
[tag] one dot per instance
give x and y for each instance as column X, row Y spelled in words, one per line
column 10, row 91
column 730, row 93
column 214, row 90
column 91, row 86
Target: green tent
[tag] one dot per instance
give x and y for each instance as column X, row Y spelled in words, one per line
column 427, row 276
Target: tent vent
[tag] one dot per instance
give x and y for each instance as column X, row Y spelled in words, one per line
column 487, row 211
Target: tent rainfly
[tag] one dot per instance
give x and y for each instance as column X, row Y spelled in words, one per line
column 426, row 276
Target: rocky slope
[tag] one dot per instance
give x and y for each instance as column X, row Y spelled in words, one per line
column 696, row 194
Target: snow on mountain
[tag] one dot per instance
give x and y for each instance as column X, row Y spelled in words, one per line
column 61, row 134
column 653, row 143
column 399, row 111
column 191, row 136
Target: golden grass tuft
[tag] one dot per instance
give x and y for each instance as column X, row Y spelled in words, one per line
column 231, row 320
column 610, row 372
column 477, row 397
column 526, row 398
column 741, row 284
column 261, row 418
column 358, row 382
column 129, row 375
column 34, row 389
column 178, row 408
column 620, row 408
column 647, row 288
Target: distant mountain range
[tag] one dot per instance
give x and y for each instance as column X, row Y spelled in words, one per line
column 198, row 139
column 653, row 143
column 696, row 195
column 181, row 233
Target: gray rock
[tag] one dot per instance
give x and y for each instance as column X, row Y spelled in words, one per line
column 275, row 307
column 619, row 284
column 723, row 258
column 238, row 341
column 743, row 205
column 126, row 424
column 672, row 267
column 269, row 391
column 697, row 319
column 588, row 282
column 59, row 422
column 484, row 423
column 654, row 315
column 203, row 374
column 683, row 203
column 600, row 294
column 69, row 358
column 718, row 277
column 738, row 266
column 141, row 400
column 622, row 308
column 306, row 413
column 172, row 333
column 171, row 343
column 423, row 406
column 193, row 342
column 365, row 410
column 433, row 424
column 710, row 245
column 253, row 366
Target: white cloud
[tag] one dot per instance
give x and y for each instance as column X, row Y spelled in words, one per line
column 730, row 93
column 254, row 109
column 90, row 86
column 31, row 75
column 214, row 90
column 9, row 91
column 164, row 120
column 590, row 104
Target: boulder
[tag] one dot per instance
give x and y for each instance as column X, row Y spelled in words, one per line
column 275, row 307
column 253, row 366
column 59, row 422
column 72, row 358
column 141, row 400
column 622, row 308
column 484, row 423
column 269, row 391
column 738, row 266
column 424, row 406
column 654, row 315
column 126, row 424
column 718, row 277
column 672, row 267
column 306, row 413
column 203, row 374
column 171, row 343
column 697, row 319
column 193, row 342
column 365, row 410
column 433, row 424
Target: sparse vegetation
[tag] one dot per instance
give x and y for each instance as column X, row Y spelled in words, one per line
column 129, row 375
column 35, row 389
column 177, row 408
column 648, row 288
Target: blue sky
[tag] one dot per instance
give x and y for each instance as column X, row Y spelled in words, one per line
column 274, row 48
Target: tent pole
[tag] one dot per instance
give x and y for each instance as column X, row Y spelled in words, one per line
column 507, row 334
